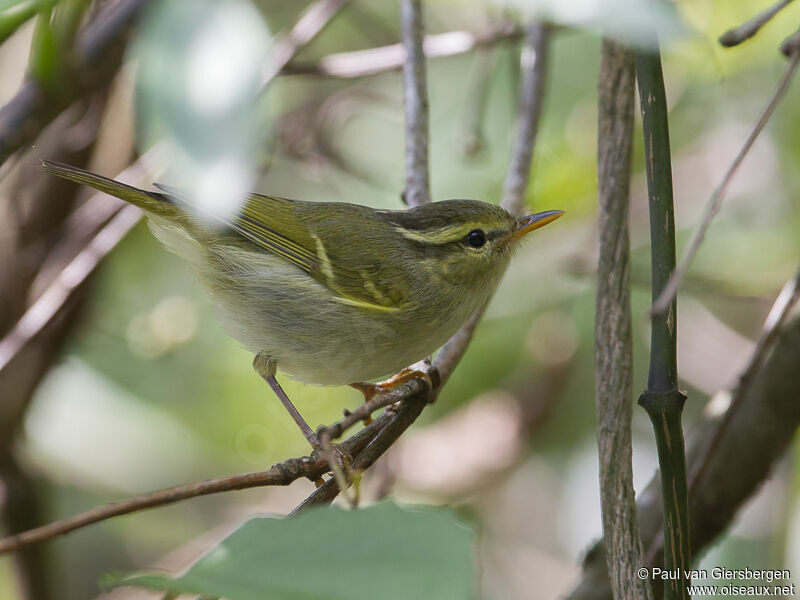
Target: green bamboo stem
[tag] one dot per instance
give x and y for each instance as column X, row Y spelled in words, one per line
column 662, row 399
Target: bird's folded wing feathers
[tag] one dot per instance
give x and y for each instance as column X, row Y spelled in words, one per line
column 282, row 227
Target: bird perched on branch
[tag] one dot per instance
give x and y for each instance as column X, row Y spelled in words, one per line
column 335, row 293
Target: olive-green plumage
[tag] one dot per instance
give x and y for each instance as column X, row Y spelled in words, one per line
column 336, row 293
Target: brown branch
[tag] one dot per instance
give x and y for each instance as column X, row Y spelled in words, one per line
column 411, row 409
column 742, row 33
column 613, row 354
column 311, row 22
column 372, row 61
column 47, row 306
column 786, row 300
column 416, row 193
column 415, row 88
column 385, row 398
column 281, row 474
column 664, row 300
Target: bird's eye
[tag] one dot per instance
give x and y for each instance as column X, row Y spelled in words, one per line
column 476, row 238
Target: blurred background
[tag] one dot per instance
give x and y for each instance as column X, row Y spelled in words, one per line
column 147, row 391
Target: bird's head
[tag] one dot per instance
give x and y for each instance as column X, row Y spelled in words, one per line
column 467, row 242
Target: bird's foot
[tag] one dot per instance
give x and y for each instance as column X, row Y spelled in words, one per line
column 421, row 370
column 338, row 459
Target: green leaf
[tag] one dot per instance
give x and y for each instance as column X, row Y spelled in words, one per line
column 384, row 551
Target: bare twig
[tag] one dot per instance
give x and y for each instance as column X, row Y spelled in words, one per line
column 662, row 303
column 362, row 63
column 411, row 409
column 310, row 23
column 417, row 190
column 613, row 354
column 788, row 297
column 385, row 398
column 737, row 35
column 533, row 67
column 280, row 474
column 64, row 285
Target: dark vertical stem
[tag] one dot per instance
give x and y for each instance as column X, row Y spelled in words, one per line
column 613, row 337
column 662, row 399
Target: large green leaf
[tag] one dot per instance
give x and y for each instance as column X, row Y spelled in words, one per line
column 384, row 551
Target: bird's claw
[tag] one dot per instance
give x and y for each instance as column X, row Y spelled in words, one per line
column 370, row 390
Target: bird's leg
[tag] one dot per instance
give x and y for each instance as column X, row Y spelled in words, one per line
column 266, row 367
column 337, row 458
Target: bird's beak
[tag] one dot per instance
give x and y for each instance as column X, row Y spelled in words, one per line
column 528, row 223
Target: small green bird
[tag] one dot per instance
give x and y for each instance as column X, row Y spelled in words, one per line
column 335, row 293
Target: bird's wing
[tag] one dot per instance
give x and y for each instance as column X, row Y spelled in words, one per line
column 329, row 246
column 334, row 246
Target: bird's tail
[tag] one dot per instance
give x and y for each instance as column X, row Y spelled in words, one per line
column 150, row 201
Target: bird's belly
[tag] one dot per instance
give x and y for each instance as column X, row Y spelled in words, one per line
column 278, row 310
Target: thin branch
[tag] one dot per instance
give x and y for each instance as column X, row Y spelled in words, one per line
column 533, row 66
column 362, row 63
column 411, row 409
column 663, row 301
column 662, row 399
column 48, row 304
column 417, row 190
column 281, row 474
column 385, row 398
column 737, row 35
column 613, row 354
column 786, row 300
column 307, row 27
